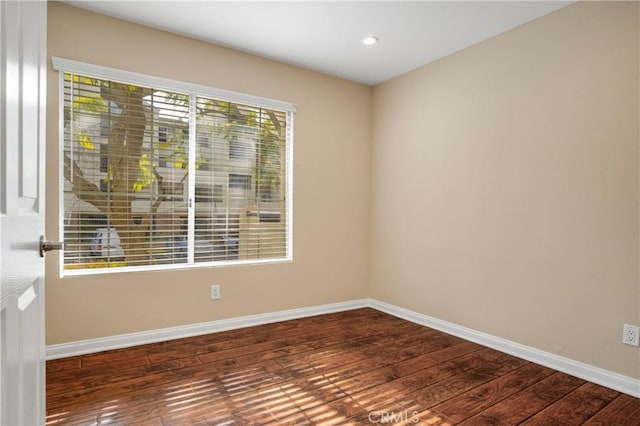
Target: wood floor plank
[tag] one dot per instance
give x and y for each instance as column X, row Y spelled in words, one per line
column 527, row 402
column 345, row 368
column 434, row 394
column 578, row 406
column 624, row 409
column 284, row 345
column 545, row 419
column 306, row 393
column 115, row 359
column 371, row 350
column 189, row 393
column 158, row 352
column 407, row 416
column 58, row 383
column 489, row 394
column 378, row 397
column 386, row 342
column 71, row 395
column 64, row 364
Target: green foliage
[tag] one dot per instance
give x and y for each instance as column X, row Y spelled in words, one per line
column 93, row 103
column 84, row 139
column 145, row 175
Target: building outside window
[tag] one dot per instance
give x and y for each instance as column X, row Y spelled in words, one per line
column 242, row 182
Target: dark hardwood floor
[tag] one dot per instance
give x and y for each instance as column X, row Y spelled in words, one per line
column 357, row 367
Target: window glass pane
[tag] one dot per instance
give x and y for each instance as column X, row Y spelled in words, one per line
column 120, row 207
column 245, row 148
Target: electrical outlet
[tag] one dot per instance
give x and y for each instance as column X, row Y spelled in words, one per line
column 215, row 292
column 631, row 335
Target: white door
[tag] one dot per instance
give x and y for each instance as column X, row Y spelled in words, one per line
column 22, row 92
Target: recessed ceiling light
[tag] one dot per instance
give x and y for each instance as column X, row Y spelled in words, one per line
column 369, row 40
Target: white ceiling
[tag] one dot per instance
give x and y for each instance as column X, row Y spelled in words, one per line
column 327, row 36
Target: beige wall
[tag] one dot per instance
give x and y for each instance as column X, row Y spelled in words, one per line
column 505, row 186
column 331, row 189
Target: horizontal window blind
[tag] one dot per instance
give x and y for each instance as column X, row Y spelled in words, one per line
column 243, row 148
column 156, row 178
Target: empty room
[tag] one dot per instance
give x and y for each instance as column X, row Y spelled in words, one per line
column 294, row 213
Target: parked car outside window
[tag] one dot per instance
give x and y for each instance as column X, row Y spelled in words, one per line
column 106, row 244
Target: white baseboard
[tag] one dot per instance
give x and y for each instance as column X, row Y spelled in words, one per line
column 584, row 371
column 587, row 372
column 83, row 347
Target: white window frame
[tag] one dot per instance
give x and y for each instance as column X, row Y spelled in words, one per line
column 63, row 66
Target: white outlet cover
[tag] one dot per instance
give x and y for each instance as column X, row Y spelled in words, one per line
column 215, row 292
column 631, row 335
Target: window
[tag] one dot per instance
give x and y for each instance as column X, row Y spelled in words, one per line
column 240, row 182
column 209, row 193
column 239, row 150
column 104, row 157
column 162, row 134
column 156, row 172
